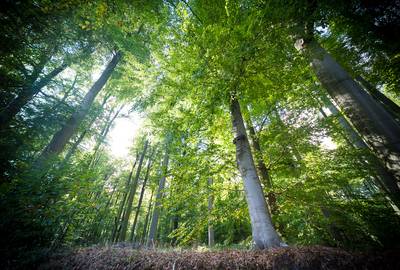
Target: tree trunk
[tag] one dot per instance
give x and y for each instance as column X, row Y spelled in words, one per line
column 210, row 207
column 139, row 205
column 264, row 234
column 146, row 221
column 104, row 133
column 156, row 211
column 383, row 178
column 386, row 102
column 262, row 169
column 74, row 147
column 118, row 221
column 61, row 138
column 127, row 214
column 377, row 127
column 26, row 94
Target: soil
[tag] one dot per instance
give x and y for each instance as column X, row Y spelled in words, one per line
column 295, row 258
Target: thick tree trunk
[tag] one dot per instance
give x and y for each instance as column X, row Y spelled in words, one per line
column 127, row 213
column 377, row 127
column 383, row 178
column 61, row 138
column 264, row 234
column 210, row 207
column 139, row 205
column 156, row 211
column 262, row 169
column 26, row 94
column 386, row 102
column 78, row 141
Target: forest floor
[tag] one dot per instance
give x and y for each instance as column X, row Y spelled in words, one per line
column 315, row 257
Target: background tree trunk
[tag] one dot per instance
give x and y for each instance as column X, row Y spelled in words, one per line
column 127, row 213
column 146, row 220
column 26, row 94
column 156, row 211
column 141, row 196
column 118, row 221
column 377, row 127
column 210, row 207
column 61, row 138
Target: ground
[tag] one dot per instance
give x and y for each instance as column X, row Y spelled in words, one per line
column 315, row 257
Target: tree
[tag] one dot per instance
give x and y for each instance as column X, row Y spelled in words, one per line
column 60, row 139
column 132, row 192
column 157, row 205
column 264, row 234
column 139, row 205
column 378, row 127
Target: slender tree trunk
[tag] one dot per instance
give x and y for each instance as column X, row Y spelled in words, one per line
column 377, row 127
column 26, row 94
column 61, row 138
column 118, row 218
column 264, row 234
column 139, row 205
column 104, row 133
column 156, row 211
column 146, row 220
column 210, row 207
column 125, row 219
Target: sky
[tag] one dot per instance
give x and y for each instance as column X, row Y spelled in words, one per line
column 122, row 134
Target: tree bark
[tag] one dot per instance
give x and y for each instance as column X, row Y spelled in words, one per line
column 146, row 221
column 61, row 138
column 26, row 94
column 127, row 214
column 386, row 102
column 118, row 222
column 262, row 169
column 139, row 205
column 264, row 234
column 377, row 127
column 383, row 178
column 74, row 147
column 156, row 211
column 210, row 207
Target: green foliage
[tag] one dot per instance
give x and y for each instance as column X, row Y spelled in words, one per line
column 182, row 62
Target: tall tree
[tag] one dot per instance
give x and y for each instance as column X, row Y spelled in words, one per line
column 262, row 168
column 384, row 179
column 264, row 234
column 125, row 191
column 128, row 210
column 139, row 205
column 210, row 205
column 61, row 138
column 156, row 211
column 25, row 95
column 376, row 125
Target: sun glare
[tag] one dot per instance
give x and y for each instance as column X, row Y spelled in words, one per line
column 123, row 134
